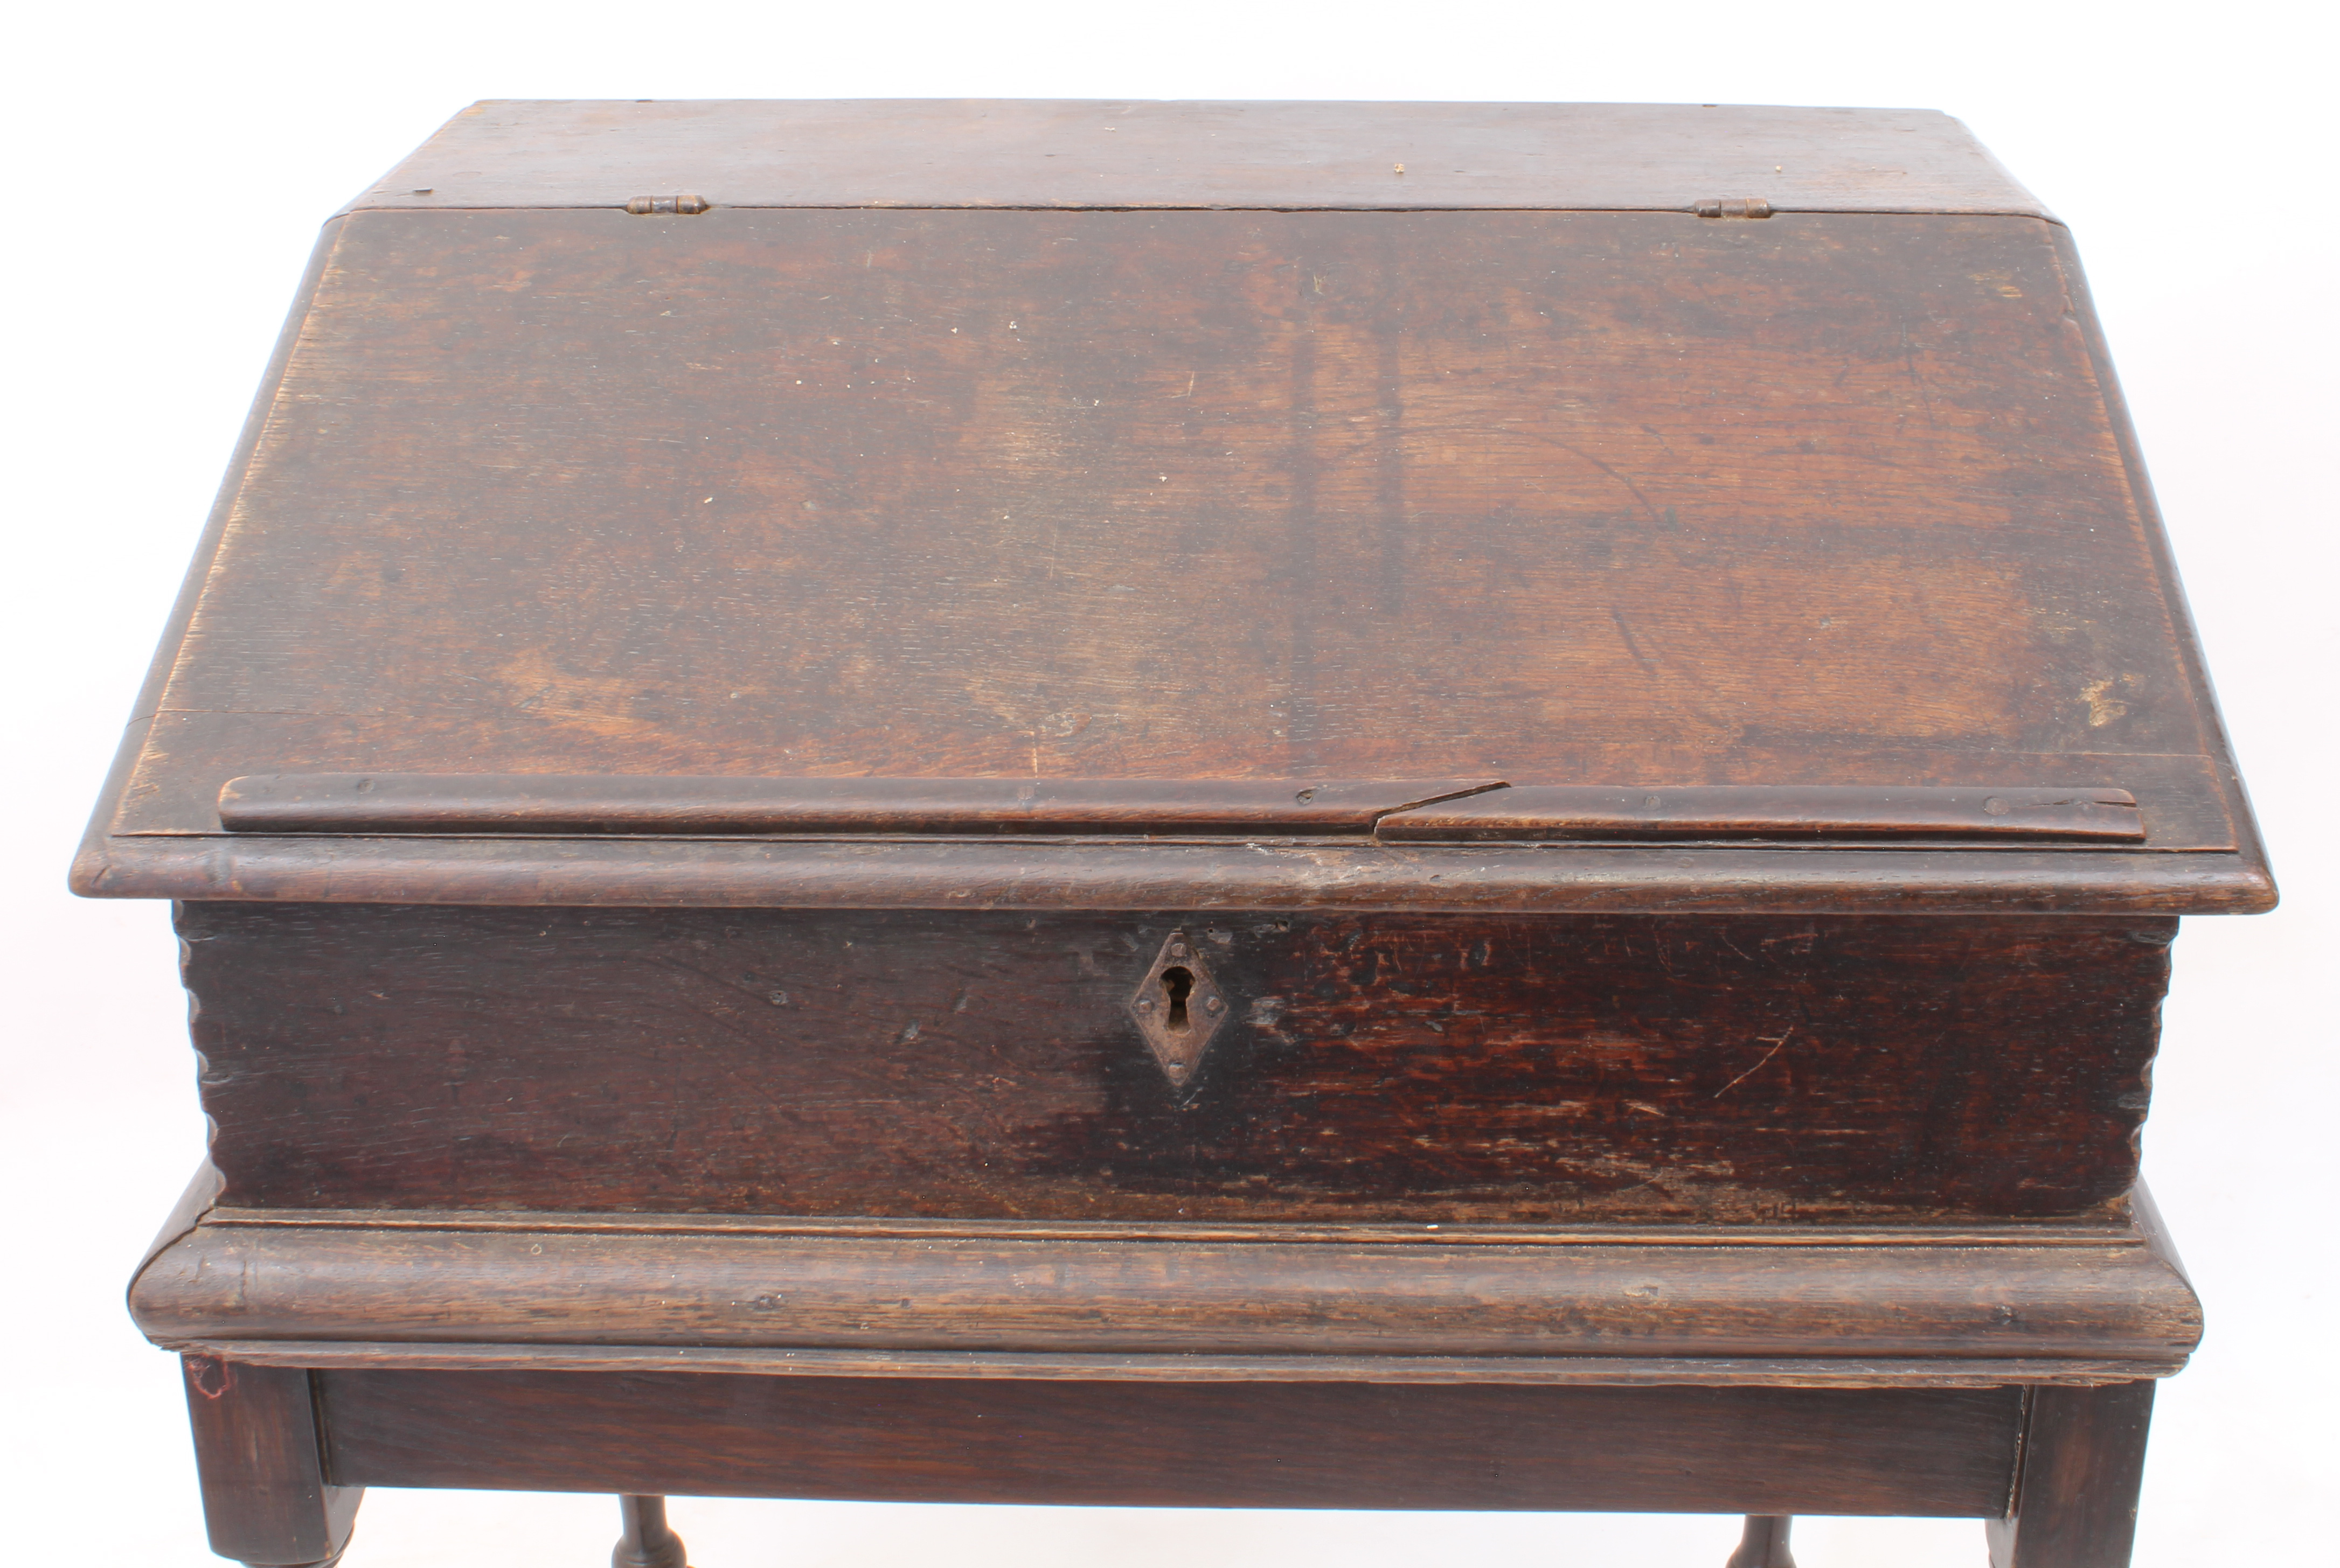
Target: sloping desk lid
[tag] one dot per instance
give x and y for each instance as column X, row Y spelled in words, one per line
column 1172, row 506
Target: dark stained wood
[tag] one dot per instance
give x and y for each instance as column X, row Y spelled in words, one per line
column 1811, row 812
column 2113, row 1229
column 646, row 1541
column 2083, row 1462
column 1026, row 875
column 890, row 153
column 1398, row 809
column 2156, row 536
column 200, row 1196
column 1764, row 1544
column 1692, row 1299
column 1392, row 1068
column 761, row 665
column 1280, row 1446
column 542, row 803
column 256, row 424
column 1066, row 1367
column 1102, row 541
column 265, row 1497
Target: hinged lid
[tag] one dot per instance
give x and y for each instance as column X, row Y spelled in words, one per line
column 1171, row 505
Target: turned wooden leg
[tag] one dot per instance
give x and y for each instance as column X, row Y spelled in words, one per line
column 647, row 1541
column 1764, row 1545
column 264, row 1494
column 2075, row 1498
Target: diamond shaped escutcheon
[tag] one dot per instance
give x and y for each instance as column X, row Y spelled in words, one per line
column 1179, row 1008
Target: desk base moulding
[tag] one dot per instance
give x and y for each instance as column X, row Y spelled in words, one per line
column 1768, row 1373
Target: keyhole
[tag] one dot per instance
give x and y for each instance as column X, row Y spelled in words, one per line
column 1178, row 985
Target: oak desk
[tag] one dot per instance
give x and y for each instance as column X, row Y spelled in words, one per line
column 1398, row 805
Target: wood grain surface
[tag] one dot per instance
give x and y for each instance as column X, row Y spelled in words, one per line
column 1172, row 1366
column 2082, row 1468
column 1813, row 813
column 259, row 1450
column 1296, row 1445
column 1430, row 810
column 557, row 804
column 1214, row 495
column 1690, row 1299
column 1045, row 876
column 743, row 639
column 974, row 153
column 1407, row 1068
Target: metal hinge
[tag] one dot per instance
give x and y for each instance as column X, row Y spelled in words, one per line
column 1751, row 207
column 688, row 206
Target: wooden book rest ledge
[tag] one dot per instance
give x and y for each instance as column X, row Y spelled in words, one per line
column 963, row 810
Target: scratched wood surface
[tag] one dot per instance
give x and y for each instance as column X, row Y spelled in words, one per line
column 957, row 1063
column 1560, row 497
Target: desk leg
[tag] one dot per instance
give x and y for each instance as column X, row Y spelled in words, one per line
column 2076, row 1499
column 647, row 1542
column 266, row 1499
column 1763, row 1543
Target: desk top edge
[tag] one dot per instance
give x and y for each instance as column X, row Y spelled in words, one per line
column 1355, row 155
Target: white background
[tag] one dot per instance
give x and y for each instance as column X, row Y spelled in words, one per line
column 172, row 164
